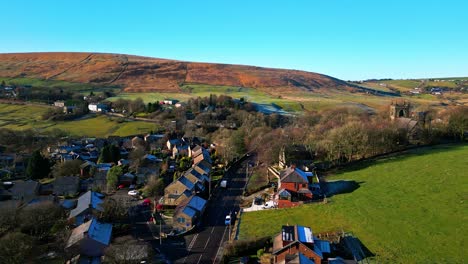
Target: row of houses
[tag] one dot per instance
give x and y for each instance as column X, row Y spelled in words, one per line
column 186, row 192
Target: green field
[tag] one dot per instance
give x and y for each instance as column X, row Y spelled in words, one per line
column 408, row 209
column 57, row 84
column 20, row 117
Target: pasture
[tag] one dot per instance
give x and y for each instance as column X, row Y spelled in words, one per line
column 411, row 208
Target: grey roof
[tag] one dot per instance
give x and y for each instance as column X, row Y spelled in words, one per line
column 100, row 232
column 24, row 189
column 197, row 203
column 186, row 182
column 66, row 185
column 293, row 175
column 87, row 200
column 189, row 211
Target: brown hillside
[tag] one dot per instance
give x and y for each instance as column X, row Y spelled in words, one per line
column 145, row 74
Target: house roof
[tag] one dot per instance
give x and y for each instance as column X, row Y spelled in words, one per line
column 197, row 203
column 283, row 192
column 406, row 123
column 100, row 232
column 293, row 175
column 204, row 155
column 174, row 141
column 198, row 175
column 186, row 182
column 322, row 245
column 304, row 234
column 203, row 165
column 300, row 234
column 189, row 211
column 87, row 200
column 65, row 183
column 25, row 188
column 301, row 259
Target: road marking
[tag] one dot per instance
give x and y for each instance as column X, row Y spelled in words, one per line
column 212, row 229
column 199, row 258
column 206, row 244
column 192, row 242
column 219, row 248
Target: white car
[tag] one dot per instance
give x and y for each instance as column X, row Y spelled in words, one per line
column 227, row 221
column 269, row 205
column 133, row 193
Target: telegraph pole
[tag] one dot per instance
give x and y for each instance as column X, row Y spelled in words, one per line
column 160, row 228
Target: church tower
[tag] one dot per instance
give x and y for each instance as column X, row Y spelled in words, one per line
column 398, row 110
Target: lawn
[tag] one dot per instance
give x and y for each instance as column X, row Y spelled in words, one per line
column 20, row 117
column 408, row 209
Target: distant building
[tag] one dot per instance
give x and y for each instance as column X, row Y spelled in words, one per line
column 170, row 101
column 59, row 103
column 99, row 107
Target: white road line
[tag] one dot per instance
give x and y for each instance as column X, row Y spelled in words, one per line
column 192, row 242
column 219, row 248
column 206, row 244
column 199, row 259
column 212, row 229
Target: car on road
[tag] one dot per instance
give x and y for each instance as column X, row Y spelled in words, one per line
column 133, row 193
column 227, row 221
column 223, row 184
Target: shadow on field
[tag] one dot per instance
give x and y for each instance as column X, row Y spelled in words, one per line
column 353, row 248
column 397, row 156
column 339, row 187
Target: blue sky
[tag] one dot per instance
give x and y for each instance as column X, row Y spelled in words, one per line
column 348, row 39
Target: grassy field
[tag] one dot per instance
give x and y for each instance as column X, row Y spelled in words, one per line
column 408, row 209
column 56, row 84
column 21, row 117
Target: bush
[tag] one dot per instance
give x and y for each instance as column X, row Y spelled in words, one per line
column 241, row 248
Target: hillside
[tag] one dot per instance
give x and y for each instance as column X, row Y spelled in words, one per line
column 143, row 74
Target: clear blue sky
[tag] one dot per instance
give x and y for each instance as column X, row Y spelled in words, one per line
column 348, row 39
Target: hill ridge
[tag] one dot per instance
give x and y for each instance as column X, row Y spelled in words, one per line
column 146, row 74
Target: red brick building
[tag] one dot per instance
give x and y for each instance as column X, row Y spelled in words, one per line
column 296, row 243
column 293, row 187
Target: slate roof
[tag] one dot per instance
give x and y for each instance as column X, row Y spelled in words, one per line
column 204, row 155
column 66, row 185
column 100, row 232
column 24, row 189
column 204, row 165
column 293, row 175
column 197, row 203
column 86, row 200
column 189, row 211
column 201, row 177
column 322, row 245
column 186, row 182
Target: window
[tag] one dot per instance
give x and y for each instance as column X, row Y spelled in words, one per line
column 181, row 220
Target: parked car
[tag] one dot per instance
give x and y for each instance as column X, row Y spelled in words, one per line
column 258, row 200
column 269, row 205
column 227, row 221
column 133, row 193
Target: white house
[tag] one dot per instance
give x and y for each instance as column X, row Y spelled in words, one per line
column 97, row 107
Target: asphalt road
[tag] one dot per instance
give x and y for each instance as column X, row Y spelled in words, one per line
column 204, row 245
